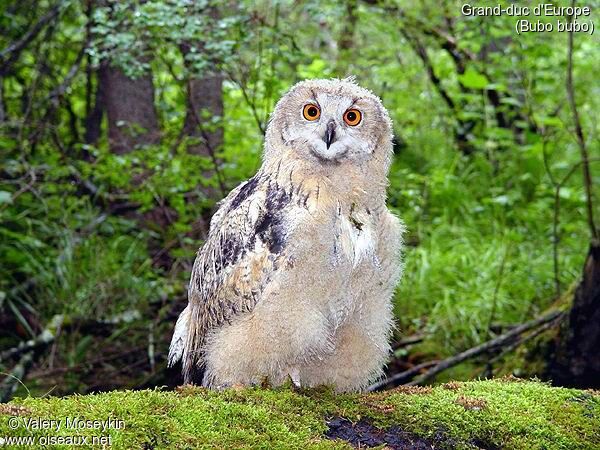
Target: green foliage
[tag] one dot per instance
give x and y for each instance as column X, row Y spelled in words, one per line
column 480, row 225
column 489, row 414
column 484, row 243
column 128, row 33
column 473, row 79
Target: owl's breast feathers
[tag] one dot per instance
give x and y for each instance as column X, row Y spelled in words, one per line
column 248, row 247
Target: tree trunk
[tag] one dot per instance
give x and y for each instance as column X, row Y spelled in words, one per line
column 576, row 360
column 132, row 122
column 204, row 102
column 94, row 114
column 132, row 118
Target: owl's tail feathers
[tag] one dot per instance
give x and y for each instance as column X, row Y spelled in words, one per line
column 177, row 348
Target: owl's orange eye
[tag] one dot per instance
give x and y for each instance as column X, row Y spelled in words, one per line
column 311, row 112
column 352, row 117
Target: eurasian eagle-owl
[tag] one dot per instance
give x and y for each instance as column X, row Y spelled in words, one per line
column 296, row 277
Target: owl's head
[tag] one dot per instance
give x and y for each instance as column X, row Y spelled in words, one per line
column 330, row 121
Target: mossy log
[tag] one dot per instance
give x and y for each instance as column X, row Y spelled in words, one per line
column 503, row 413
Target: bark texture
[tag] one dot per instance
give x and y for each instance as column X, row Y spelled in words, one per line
column 204, row 101
column 576, row 360
column 129, row 103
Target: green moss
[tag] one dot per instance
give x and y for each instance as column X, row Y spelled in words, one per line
column 503, row 414
column 497, row 413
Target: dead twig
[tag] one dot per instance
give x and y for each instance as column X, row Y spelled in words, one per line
column 45, row 338
column 13, row 379
column 398, row 378
column 524, row 339
column 507, row 338
column 62, row 88
column 500, row 341
column 10, row 54
column 408, row 340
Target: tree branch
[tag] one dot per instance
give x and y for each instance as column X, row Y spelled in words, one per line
column 421, row 52
column 409, row 340
column 44, row 338
column 511, row 338
column 398, row 378
column 13, row 379
column 499, row 341
column 10, row 54
column 59, row 90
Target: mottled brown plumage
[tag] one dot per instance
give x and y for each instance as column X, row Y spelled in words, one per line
column 296, row 276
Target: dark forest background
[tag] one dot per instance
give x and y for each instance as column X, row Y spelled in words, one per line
column 122, row 124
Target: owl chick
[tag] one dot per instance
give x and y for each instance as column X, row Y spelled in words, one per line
column 296, row 277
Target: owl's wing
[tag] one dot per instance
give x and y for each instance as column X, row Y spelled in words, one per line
column 243, row 253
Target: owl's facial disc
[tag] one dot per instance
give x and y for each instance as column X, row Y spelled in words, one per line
column 320, row 122
column 332, row 127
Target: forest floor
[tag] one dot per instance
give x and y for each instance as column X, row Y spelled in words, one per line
column 501, row 413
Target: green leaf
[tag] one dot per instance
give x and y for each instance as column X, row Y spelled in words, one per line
column 5, row 197
column 473, row 80
column 551, row 121
column 501, row 200
column 511, row 101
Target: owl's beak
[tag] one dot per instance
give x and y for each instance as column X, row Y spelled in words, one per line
column 329, row 133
